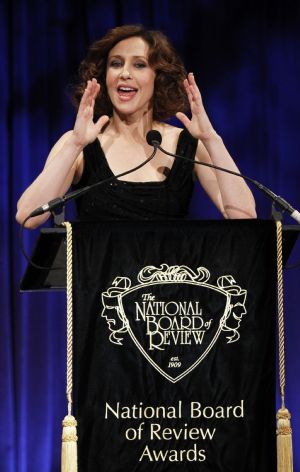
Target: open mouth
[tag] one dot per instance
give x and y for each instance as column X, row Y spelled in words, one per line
column 126, row 93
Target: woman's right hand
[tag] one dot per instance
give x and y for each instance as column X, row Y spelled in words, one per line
column 64, row 160
column 85, row 130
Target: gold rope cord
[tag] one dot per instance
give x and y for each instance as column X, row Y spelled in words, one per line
column 70, row 314
column 69, row 317
column 280, row 312
column 284, row 430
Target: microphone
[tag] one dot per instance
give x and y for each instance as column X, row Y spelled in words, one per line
column 154, row 138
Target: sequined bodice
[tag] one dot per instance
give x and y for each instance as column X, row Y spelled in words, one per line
column 118, row 199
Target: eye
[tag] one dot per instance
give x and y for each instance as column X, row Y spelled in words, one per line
column 140, row 65
column 115, row 63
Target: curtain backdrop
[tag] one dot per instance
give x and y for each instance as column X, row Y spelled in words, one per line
column 245, row 56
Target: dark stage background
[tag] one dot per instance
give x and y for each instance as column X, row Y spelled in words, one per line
column 245, row 56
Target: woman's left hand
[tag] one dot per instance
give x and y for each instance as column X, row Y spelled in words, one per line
column 199, row 125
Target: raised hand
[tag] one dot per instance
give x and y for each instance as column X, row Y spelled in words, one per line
column 85, row 130
column 199, row 126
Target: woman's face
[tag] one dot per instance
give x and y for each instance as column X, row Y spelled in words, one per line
column 129, row 78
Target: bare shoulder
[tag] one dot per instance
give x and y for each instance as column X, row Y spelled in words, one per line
column 167, row 130
column 170, row 135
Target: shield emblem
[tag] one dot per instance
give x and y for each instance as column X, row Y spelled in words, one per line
column 174, row 316
column 174, row 324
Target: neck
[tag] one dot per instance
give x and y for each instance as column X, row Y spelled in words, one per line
column 132, row 126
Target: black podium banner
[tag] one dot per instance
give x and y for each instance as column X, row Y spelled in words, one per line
column 174, row 346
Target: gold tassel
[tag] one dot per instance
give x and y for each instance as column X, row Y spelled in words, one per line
column 284, row 441
column 69, row 445
column 69, row 433
column 284, row 430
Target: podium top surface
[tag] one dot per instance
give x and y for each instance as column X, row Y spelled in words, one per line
column 50, row 247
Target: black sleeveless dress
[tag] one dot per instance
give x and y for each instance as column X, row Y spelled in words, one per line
column 125, row 200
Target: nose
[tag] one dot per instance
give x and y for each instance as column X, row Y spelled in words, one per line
column 125, row 74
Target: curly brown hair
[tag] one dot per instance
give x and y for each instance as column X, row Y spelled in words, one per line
column 169, row 93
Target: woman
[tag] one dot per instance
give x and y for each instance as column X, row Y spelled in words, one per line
column 132, row 79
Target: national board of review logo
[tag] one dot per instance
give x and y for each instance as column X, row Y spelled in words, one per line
column 174, row 315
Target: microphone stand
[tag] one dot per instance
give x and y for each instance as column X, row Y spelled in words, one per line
column 281, row 202
column 154, row 139
column 59, row 202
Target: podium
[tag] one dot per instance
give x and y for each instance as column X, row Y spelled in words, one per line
column 174, row 342
column 50, row 251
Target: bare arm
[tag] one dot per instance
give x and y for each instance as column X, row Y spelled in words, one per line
column 64, row 163
column 230, row 194
column 53, row 181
